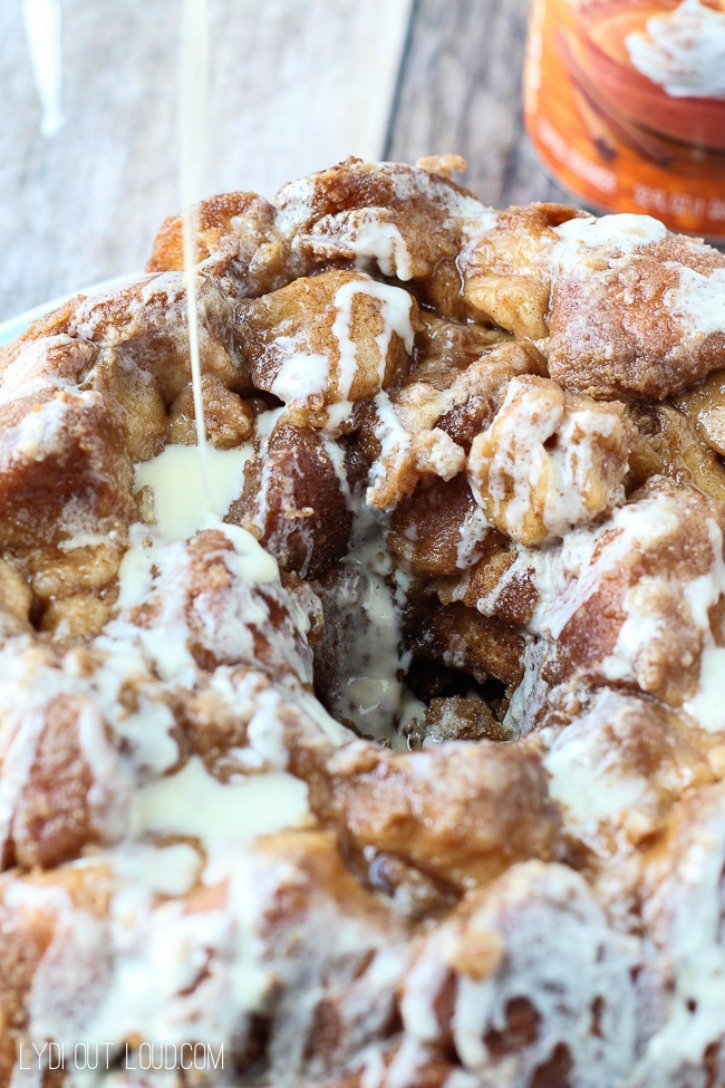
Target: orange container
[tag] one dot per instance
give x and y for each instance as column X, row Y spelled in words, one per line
column 624, row 101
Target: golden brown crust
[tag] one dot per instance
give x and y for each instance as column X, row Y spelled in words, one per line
column 402, row 805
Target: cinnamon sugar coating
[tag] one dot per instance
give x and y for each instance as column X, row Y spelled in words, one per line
column 400, row 764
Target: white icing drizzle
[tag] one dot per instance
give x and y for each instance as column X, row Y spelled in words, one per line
column 645, row 627
column 142, row 964
column 395, row 442
column 371, row 689
column 375, row 237
column 684, row 918
column 374, row 690
column 699, row 300
column 641, row 628
column 462, row 208
column 571, row 462
column 161, row 870
column 151, row 563
column 183, row 500
column 550, row 944
column 167, row 971
column 166, row 968
column 337, row 414
column 221, row 815
column 707, row 706
column 478, row 221
column 393, row 437
column 264, row 426
column 193, row 110
column 555, row 484
column 526, row 698
column 682, row 50
column 24, row 702
column 474, row 529
column 395, row 307
column 587, row 777
column 301, row 376
column 609, row 236
column 153, row 574
column 42, row 20
column 379, row 234
column 40, row 433
column 567, row 577
column 157, row 953
column 368, row 601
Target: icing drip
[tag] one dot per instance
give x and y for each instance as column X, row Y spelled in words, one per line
column 396, row 306
column 193, row 110
column 371, row 687
column 180, row 493
column 42, row 20
column 615, row 236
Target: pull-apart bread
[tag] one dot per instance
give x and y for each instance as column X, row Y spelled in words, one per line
column 397, row 762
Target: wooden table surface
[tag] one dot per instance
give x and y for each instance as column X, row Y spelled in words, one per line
column 296, row 85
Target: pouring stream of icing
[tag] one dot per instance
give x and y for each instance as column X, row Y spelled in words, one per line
column 42, row 29
column 192, row 130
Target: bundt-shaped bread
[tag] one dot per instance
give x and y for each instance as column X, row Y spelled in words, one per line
column 382, row 746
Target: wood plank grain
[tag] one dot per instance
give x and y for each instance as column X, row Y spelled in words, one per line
column 460, row 90
column 296, row 85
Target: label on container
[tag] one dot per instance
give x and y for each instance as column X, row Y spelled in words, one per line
column 625, row 104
